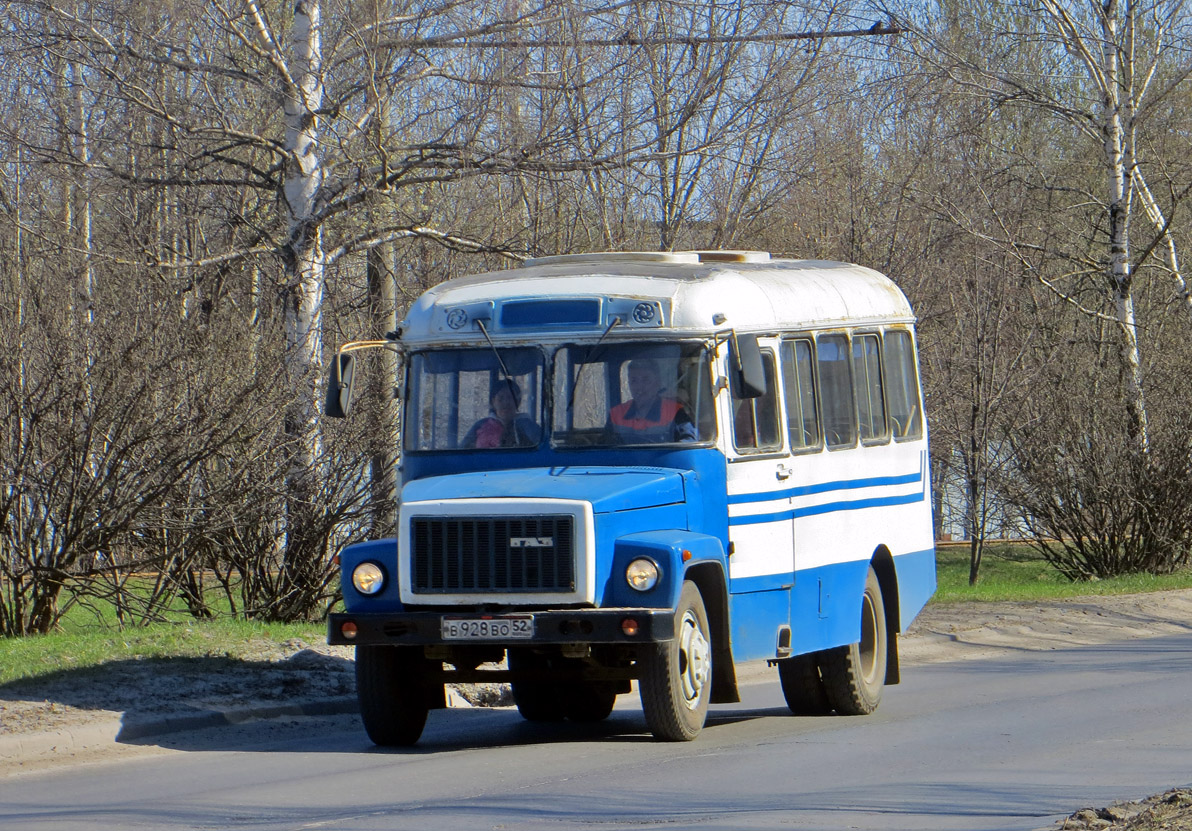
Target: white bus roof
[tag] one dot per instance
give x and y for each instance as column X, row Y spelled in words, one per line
column 686, row 293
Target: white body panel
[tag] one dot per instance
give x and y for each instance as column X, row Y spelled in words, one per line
column 702, row 298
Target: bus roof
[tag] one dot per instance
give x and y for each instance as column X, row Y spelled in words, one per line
column 687, row 293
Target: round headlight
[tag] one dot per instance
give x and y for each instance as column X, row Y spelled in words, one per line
column 642, row 574
column 368, row 578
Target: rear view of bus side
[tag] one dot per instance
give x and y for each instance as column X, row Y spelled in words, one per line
column 635, row 467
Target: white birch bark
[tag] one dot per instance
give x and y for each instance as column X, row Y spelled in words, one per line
column 304, row 249
column 302, row 252
column 82, row 149
column 301, row 79
column 1103, row 57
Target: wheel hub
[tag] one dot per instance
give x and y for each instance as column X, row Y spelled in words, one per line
column 695, row 659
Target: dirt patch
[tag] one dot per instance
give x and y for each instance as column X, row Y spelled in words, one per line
column 956, row 631
column 1171, row 811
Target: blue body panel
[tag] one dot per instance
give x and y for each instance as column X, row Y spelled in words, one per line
column 608, row 489
column 612, row 528
column 756, row 618
column 383, row 553
column 656, row 503
column 666, row 549
column 664, row 504
column 916, row 583
column 818, row 609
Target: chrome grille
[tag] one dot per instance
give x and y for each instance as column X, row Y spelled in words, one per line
column 492, row 554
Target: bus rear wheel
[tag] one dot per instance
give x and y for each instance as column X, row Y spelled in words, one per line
column 802, row 686
column 676, row 676
column 854, row 675
column 391, row 686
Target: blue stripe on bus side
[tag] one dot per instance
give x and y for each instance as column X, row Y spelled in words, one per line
column 825, row 487
column 828, row 508
column 828, row 487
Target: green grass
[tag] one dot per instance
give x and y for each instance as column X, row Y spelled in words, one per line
column 89, row 639
column 83, row 648
column 1013, row 571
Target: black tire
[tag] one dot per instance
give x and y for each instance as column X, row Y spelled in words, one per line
column 854, row 675
column 676, row 676
column 391, row 686
column 536, row 700
column 589, row 703
column 802, row 686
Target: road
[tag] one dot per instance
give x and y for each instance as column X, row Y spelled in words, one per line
column 1008, row 743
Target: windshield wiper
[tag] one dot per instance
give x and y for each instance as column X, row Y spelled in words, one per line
column 505, row 376
column 595, row 353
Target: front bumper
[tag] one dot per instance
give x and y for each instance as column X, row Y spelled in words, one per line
column 559, row 626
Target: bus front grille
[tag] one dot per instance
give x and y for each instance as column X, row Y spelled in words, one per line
column 494, row 554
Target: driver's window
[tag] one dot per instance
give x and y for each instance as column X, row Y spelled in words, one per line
column 755, row 420
column 632, row 393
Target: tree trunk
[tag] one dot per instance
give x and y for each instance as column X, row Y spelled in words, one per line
column 381, row 424
column 1120, row 189
column 302, row 297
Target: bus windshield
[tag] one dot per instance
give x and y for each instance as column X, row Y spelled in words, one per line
column 481, row 399
column 632, row 394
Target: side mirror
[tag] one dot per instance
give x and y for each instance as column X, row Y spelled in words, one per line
column 748, row 373
column 339, row 386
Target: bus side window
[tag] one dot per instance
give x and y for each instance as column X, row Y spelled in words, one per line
column 798, row 375
column 867, row 386
column 836, row 390
column 755, row 420
column 902, row 386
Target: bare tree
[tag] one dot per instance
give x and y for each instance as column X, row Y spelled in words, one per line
column 1125, row 61
column 225, row 182
column 1082, row 92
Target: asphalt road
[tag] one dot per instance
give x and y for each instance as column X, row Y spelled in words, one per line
column 1008, row 743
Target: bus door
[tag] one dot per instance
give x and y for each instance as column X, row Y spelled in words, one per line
column 760, row 523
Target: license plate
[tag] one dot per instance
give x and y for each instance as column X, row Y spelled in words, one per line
column 494, row 627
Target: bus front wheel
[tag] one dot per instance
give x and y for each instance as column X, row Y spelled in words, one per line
column 591, row 702
column 391, row 688
column 676, row 676
column 536, row 699
column 854, row 675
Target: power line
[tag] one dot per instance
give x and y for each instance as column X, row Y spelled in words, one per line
column 628, row 39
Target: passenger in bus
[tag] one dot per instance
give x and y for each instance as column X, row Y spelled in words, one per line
column 505, row 427
column 649, row 416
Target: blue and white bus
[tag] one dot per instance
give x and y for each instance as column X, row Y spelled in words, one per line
column 645, row 467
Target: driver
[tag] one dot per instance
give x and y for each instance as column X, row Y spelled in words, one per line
column 649, row 416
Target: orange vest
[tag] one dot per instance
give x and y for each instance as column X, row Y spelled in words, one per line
column 668, row 408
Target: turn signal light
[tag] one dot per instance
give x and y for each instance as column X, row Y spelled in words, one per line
column 348, row 629
column 629, row 626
